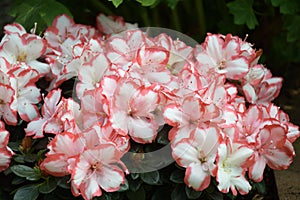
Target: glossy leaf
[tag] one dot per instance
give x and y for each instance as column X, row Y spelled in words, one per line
column 124, row 187
column 177, row 176
column 191, row 193
column 179, row 193
column 48, row 186
column 151, row 178
column 26, row 172
column 28, row 192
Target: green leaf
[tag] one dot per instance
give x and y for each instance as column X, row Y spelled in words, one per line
column 48, row 186
column 179, row 192
column 172, row 3
column 134, row 185
column 191, row 193
column 147, row 2
column 152, row 178
column 162, row 136
column 138, row 195
column 42, row 12
column 291, row 23
column 260, row 187
column 22, row 170
column 19, row 158
column 30, row 158
column 26, row 172
column 124, row 187
column 177, row 176
column 213, row 192
column 134, row 175
column 18, row 180
column 15, row 146
column 243, row 13
column 103, row 197
column 28, row 192
column 64, row 182
column 116, row 2
column 287, row 7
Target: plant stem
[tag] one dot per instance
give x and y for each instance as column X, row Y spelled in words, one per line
column 201, row 18
column 102, row 8
column 145, row 16
column 176, row 20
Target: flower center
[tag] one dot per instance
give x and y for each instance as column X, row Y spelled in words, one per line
column 22, row 57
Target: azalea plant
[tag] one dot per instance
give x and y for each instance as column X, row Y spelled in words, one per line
column 85, row 110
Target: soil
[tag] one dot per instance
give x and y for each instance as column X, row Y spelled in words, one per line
column 288, row 181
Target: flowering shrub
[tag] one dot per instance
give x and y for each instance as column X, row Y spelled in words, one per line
column 209, row 107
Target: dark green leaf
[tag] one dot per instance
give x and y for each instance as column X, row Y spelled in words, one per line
column 18, row 180
column 138, row 195
column 292, row 25
column 162, row 137
column 134, row 175
column 179, row 192
column 172, row 3
column 152, row 178
column 30, row 158
column 103, row 197
column 19, row 158
column 48, row 186
column 177, row 176
column 134, row 185
column 22, row 170
column 28, row 192
column 191, row 193
column 147, row 2
column 287, row 7
column 39, row 11
column 14, row 146
column 26, row 172
column 243, row 12
column 260, row 187
column 213, row 192
column 124, row 187
column 64, row 182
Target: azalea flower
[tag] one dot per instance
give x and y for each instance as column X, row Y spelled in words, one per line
column 272, row 148
column 224, row 55
column 180, row 52
column 90, row 74
column 187, row 116
column 9, row 115
column 259, row 86
column 98, row 168
column 23, row 49
column 131, row 110
column 50, row 121
column 26, row 94
column 113, row 24
column 232, row 158
column 5, row 152
column 197, row 154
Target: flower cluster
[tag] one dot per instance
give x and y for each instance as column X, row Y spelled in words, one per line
column 215, row 96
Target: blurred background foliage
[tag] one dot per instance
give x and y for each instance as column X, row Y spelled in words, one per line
column 271, row 25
